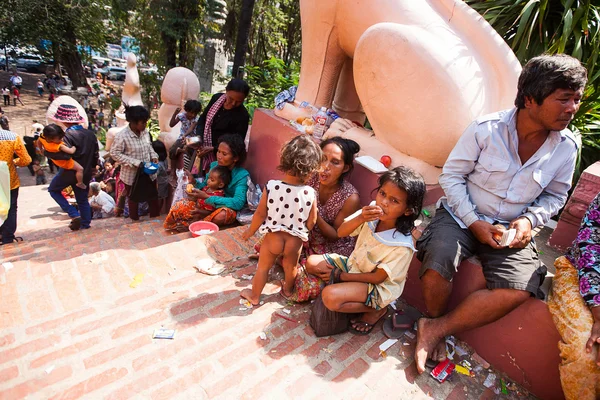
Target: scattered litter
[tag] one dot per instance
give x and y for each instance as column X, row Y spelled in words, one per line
column 503, row 386
column 406, row 344
column 464, row 371
column 261, row 303
column 50, row 369
column 476, row 357
column 273, row 351
column 246, row 277
column 450, row 347
column 163, row 333
column 147, row 233
column 136, row 280
column 466, row 364
column 246, row 303
column 478, row 368
column 489, row 381
column 387, row 344
column 262, row 336
column 443, row 370
column 409, row 334
column 460, row 351
column 393, row 304
column 243, row 309
column 540, row 252
column 285, row 310
column 284, row 317
column 7, row 266
column 327, row 350
column 207, row 266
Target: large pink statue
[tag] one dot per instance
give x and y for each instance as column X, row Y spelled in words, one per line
column 180, row 84
column 421, row 71
column 131, row 96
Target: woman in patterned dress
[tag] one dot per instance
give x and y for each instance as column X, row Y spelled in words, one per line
column 575, row 307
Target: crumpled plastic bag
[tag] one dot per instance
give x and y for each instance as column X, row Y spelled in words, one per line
column 253, row 195
column 4, row 191
column 244, row 216
column 181, row 184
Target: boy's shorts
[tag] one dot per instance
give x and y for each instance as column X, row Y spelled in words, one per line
column 444, row 245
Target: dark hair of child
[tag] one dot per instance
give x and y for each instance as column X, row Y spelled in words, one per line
column 349, row 149
column 414, row 186
column 300, row 157
column 160, row 149
column 193, row 106
column 136, row 114
column 223, row 173
column 53, row 131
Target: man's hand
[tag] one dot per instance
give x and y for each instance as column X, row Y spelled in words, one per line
column 484, row 232
column 594, row 339
column 523, row 236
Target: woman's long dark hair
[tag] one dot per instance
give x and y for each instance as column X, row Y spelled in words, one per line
column 414, row 186
column 349, row 149
column 236, row 145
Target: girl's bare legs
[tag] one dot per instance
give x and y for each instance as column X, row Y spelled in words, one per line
column 79, row 175
column 291, row 255
column 350, row 297
column 272, row 246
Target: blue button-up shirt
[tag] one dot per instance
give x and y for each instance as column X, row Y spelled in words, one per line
column 484, row 179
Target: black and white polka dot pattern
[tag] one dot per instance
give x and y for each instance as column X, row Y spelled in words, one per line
column 288, row 208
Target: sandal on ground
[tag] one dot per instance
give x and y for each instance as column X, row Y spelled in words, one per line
column 289, row 297
column 366, row 325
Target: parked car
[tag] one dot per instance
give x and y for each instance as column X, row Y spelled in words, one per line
column 30, row 62
column 11, row 63
column 115, row 73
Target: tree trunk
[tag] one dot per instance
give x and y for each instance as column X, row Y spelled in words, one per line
column 241, row 44
column 56, row 56
column 183, row 55
column 72, row 62
column 170, row 50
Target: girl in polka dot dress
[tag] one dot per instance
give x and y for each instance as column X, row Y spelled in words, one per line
column 286, row 213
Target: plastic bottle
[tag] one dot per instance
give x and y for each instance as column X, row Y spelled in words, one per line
column 320, row 124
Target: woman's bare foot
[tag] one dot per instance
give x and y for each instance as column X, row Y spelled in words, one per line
column 427, row 341
column 80, row 185
column 247, row 294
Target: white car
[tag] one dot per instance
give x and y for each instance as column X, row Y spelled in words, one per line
column 116, row 73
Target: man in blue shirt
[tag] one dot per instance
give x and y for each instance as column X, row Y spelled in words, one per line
column 509, row 170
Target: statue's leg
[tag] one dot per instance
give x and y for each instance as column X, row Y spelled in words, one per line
column 322, row 57
column 346, row 102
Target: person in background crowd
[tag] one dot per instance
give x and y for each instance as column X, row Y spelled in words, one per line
column 11, row 144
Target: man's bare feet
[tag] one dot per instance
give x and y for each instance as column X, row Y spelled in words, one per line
column 247, row 294
column 80, row 185
column 427, row 341
column 439, row 351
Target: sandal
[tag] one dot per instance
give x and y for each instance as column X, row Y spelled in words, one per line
column 369, row 327
column 289, row 297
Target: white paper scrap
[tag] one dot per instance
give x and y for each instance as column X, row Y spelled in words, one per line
column 387, row 344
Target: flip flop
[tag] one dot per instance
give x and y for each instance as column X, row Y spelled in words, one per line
column 395, row 327
column 366, row 325
column 287, row 297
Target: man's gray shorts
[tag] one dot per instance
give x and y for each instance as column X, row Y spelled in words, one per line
column 444, row 245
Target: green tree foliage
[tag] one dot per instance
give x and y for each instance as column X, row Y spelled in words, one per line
column 533, row 27
column 275, row 30
column 66, row 23
column 267, row 80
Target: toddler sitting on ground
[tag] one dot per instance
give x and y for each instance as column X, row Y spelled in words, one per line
column 218, row 179
column 51, row 141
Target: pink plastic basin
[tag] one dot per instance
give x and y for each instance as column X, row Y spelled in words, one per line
column 202, row 225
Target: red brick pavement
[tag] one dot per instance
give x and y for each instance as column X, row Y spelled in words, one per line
column 71, row 325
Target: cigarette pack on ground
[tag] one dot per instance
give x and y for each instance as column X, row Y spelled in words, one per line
column 163, row 334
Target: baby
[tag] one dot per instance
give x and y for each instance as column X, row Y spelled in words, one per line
column 51, row 141
column 218, row 179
